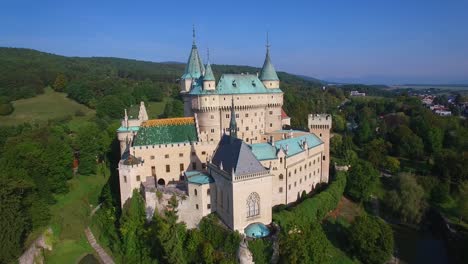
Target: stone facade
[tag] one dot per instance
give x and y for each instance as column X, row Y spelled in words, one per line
column 230, row 155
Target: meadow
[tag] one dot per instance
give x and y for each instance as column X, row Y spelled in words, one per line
column 47, row 106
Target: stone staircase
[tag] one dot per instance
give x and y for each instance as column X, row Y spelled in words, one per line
column 103, row 256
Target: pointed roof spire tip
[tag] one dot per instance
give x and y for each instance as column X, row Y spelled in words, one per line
column 193, row 34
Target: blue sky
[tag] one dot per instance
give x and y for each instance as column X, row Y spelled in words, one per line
column 372, row 41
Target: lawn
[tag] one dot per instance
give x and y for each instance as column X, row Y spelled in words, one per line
column 70, row 216
column 154, row 109
column 49, row 105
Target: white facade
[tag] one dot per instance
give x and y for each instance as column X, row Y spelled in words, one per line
column 291, row 162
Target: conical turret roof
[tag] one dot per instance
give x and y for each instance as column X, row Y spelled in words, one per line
column 209, row 76
column 268, row 72
column 194, row 68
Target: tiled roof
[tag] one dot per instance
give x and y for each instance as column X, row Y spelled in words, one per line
column 235, row 155
column 166, row 131
column 235, row 84
column 198, row 177
column 283, row 114
column 265, row 151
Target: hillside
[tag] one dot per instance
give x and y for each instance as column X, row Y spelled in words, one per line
column 110, row 84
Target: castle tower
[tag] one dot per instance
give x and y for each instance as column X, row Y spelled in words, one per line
column 268, row 74
column 321, row 125
column 193, row 70
column 209, row 82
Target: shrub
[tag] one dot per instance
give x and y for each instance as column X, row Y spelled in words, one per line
column 315, row 208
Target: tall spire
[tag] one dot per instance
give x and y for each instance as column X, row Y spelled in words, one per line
column 194, row 68
column 193, row 35
column 233, row 123
column 268, row 72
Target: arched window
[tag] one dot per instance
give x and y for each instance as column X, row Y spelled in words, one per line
column 253, row 205
column 281, row 176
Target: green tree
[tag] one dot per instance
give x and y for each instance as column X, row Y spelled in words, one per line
column 371, row 239
column 92, row 143
column 14, row 221
column 364, row 132
column 297, row 247
column 375, row 152
column 60, row 82
column 407, row 200
column 463, row 201
column 362, row 179
column 261, row 250
column 132, row 229
column 339, row 123
column 111, row 106
column 392, row 164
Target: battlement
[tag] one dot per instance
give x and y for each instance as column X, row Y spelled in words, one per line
column 172, row 145
column 319, row 121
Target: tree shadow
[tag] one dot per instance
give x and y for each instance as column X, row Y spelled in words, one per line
column 336, row 231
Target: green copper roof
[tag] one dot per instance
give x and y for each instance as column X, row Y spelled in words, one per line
column 265, row 151
column 128, row 129
column 194, row 67
column 235, row 84
column 165, row 134
column 268, row 72
column 209, row 76
column 198, row 177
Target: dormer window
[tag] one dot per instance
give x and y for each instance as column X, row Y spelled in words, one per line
column 234, row 83
column 253, row 83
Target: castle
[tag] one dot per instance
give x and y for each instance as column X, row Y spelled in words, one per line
column 230, row 154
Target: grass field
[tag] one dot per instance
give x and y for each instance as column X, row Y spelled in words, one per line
column 50, row 105
column 70, row 216
column 154, row 109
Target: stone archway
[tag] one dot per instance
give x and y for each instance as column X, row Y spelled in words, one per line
column 162, row 182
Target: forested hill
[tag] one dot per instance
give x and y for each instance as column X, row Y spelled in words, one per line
column 121, row 82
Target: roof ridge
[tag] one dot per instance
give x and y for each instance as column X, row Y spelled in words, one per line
column 175, row 121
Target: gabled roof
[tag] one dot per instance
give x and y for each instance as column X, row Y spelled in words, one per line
column 166, row 131
column 235, row 84
column 194, row 68
column 268, row 72
column 233, row 154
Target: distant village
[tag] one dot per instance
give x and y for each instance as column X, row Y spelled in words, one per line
column 445, row 105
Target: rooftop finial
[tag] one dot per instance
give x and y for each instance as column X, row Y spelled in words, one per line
column 267, row 41
column 208, row 54
column 193, row 34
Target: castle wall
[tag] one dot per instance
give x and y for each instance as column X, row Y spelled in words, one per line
column 241, row 191
column 256, row 114
column 321, row 125
column 295, row 174
column 164, row 162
